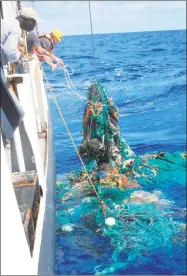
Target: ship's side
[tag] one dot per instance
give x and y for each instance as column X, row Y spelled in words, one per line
column 28, row 181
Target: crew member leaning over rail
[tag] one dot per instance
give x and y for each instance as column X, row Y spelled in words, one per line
column 12, row 48
column 49, row 40
column 42, row 46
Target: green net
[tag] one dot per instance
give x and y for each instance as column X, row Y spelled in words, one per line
column 144, row 220
column 104, row 148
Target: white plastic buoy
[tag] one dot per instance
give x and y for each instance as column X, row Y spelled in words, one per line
column 110, row 221
column 67, row 227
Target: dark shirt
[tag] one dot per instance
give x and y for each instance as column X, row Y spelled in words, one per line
column 32, row 41
column 46, row 43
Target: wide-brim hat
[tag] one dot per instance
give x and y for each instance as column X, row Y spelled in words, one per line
column 30, row 13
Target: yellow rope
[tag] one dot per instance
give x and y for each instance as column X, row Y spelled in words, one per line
column 69, row 133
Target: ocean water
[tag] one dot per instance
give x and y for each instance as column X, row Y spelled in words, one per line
column 145, row 74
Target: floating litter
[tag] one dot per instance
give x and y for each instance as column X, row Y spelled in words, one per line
column 110, row 221
column 67, row 228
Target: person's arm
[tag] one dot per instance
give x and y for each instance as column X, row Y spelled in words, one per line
column 10, row 47
column 49, row 61
column 46, row 53
column 40, row 52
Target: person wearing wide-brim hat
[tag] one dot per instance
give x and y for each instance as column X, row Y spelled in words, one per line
column 11, row 31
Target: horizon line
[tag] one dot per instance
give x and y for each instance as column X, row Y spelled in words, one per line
column 127, row 32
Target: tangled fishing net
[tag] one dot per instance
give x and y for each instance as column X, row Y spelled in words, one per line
column 126, row 184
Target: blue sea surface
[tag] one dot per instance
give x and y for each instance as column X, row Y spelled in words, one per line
column 145, row 74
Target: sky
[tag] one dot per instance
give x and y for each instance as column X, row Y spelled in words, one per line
column 72, row 17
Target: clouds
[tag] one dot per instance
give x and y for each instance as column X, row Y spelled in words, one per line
column 110, row 16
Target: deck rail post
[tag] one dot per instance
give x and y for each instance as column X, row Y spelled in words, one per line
column 19, row 150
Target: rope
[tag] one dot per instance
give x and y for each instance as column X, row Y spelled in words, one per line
column 24, row 34
column 148, row 228
column 70, row 83
column 91, row 27
column 92, row 31
column 135, row 218
column 72, row 71
column 69, row 133
column 73, row 89
column 36, row 24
